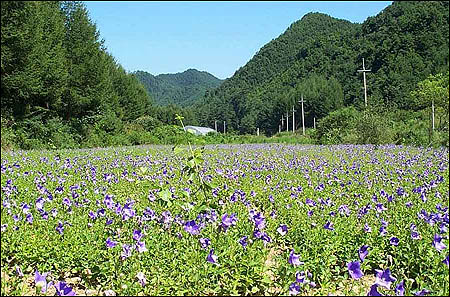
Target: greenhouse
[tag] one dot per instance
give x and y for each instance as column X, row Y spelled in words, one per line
column 198, row 130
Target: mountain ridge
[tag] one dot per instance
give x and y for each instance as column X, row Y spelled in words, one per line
column 182, row 88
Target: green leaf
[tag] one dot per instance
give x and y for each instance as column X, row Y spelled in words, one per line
column 177, row 150
column 166, row 195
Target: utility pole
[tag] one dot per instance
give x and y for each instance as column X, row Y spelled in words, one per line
column 282, row 123
column 223, row 127
column 293, row 119
column 432, row 114
column 364, row 70
column 314, row 123
column 215, row 125
column 257, row 131
column 287, row 121
column 303, row 115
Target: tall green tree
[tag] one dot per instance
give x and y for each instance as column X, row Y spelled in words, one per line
column 90, row 88
column 33, row 65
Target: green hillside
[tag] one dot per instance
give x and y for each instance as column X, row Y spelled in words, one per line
column 181, row 89
column 318, row 56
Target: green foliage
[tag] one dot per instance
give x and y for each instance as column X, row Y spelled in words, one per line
column 148, row 122
column 319, row 56
column 181, row 89
column 270, row 184
column 61, row 88
column 339, row 126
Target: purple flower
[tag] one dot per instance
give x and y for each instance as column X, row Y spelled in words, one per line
column 110, row 243
column 60, row 228
column 300, row 277
column 380, row 207
column 40, row 203
column 400, row 289
column 384, row 278
column 374, row 291
column 282, row 229
column 328, row 226
column 140, row 246
column 415, row 235
column 344, row 210
column 437, row 243
column 141, row 279
column 191, row 227
column 19, row 271
column 92, row 215
column 445, row 261
column 211, row 258
column 383, row 231
column 29, row 218
column 62, row 289
column 266, row 238
column 228, row 220
column 354, row 268
column 294, row 259
column 394, row 240
column 259, row 221
column 137, row 235
column 422, row 292
column 257, row 233
column 126, row 251
column 41, row 281
column 294, row 289
column 205, row 242
column 363, row 251
column 367, row 228
column 243, row 241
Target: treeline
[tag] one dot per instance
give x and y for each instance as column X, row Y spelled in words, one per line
column 60, row 88
column 59, row 85
column 319, row 56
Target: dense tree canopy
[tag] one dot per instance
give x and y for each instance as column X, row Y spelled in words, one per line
column 54, row 66
column 61, row 87
column 181, row 89
column 318, row 56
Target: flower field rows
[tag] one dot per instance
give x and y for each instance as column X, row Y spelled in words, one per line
column 272, row 220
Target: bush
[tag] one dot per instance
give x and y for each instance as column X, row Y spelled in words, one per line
column 338, row 126
column 148, row 123
column 7, row 134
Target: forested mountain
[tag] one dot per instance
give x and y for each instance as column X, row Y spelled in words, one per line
column 318, row 56
column 60, row 88
column 181, row 89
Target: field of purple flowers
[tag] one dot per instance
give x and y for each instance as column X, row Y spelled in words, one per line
column 274, row 220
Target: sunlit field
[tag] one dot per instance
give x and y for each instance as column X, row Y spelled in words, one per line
column 266, row 219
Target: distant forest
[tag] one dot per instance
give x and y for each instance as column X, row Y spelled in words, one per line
column 60, row 88
column 182, row 89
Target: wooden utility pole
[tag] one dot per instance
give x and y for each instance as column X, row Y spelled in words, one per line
column 364, row 70
column 293, row 119
column 287, row 121
column 432, row 115
column 303, row 115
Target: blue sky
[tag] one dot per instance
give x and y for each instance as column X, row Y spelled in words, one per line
column 218, row 37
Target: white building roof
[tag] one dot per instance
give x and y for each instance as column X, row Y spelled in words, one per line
column 198, row 130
